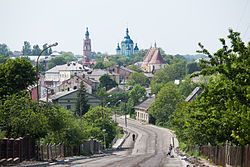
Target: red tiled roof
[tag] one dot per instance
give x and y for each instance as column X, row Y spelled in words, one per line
column 157, row 58
column 153, row 56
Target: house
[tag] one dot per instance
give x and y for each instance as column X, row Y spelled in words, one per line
column 153, row 60
column 96, row 74
column 122, row 71
column 68, row 99
column 193, row 95
column 59, row 73
column 141, row 110
column 75, row 81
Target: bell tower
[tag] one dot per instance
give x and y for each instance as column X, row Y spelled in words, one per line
column 86, row 48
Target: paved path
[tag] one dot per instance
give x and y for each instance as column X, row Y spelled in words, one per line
column 148, row 150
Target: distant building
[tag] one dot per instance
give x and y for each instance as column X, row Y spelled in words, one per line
column 123, row 73
column 141, row 110
column 68, row 99
column 127, row 46
column 153, row 60
column 86, row 49
column 59, row 73
column 75, row 81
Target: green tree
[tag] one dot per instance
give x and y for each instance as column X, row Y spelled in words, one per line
column 168, row 73
column 137, row 94
column 16, row 75
column 192, row 67
column 187, row 86
column 64, row 58
column 97, row 119
column 107, row 82
column 4, row 50
column 56, row 61
column 135, row 68
column 99, row 65
column 82, row 105
column 26, row 48
column 46, row 52
column 36, row 50
column 3, row 58
column 165, row 104
column 19, row 116
column 63, row 127
column 138, row 78
column 221, row 113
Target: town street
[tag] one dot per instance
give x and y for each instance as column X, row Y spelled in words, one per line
column 148, row 150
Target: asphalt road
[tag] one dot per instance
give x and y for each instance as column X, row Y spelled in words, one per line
column 148, row 150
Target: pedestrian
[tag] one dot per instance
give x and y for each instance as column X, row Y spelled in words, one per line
column 170, row 150
column 133, row 137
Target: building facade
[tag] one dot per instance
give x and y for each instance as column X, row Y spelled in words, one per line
column 141, row 110
column 153, row 60
column 127, row 47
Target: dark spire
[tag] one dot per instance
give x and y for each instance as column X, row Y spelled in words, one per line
column 136, row 47
column 118, row 47
column 87, row 33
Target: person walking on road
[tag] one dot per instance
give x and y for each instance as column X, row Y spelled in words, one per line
column 133, row 137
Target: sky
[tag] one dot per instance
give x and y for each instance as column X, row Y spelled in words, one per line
column 175, row 25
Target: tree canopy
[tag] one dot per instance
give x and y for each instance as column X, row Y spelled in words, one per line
column 221, row 113
column 107, row 82
column 16, row 75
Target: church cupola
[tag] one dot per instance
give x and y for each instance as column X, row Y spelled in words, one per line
column 118, row 49
column 136, row 48
column 127, row 46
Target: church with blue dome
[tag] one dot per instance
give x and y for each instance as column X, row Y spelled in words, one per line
column 127, row 47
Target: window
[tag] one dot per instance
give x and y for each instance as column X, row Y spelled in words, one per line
column 68, row 107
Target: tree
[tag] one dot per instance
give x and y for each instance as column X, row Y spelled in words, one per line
column 135, row 68
column 46, row 52
column 137, row 94
column 221, row 113
column 97, row 119
column 192, row 67
column 165, row 104
column 168, row 73
column 82, row 105
column 3, row 58
column 4, row 50
column 107, row 82
column 186, row 86
column 56, row 61
column 36, row 50
column 15, row 76
column 27, row 48
column 99, row 65
column 138, row 78
column 20, row 116
column 64, row 58
column 50, row 51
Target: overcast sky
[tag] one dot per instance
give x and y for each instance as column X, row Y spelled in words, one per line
column 175, row 25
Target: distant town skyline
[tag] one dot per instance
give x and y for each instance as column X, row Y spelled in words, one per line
column 176, row 26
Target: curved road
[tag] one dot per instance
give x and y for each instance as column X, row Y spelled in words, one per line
column 148, row 150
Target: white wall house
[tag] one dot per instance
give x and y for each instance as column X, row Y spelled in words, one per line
column 141, row 110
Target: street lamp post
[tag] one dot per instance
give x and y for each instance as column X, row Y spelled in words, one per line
column 104, row 130
column 115, row 106
column 37, row 69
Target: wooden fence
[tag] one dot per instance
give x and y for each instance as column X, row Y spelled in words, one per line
column 17, row 150
column 228, row 155
column 51, row 152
